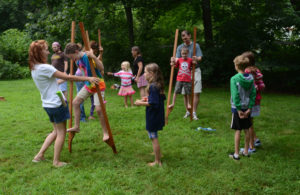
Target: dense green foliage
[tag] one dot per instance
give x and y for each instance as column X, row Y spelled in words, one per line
column 9, row 70
column 14, row 46
column 270, row 28
column 194, row 162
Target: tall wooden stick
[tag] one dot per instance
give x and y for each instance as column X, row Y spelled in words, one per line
column 110, row 141
column 171, row 78
column 193, row 75
column 87, row 37
column 71, row 134
column 99, row 42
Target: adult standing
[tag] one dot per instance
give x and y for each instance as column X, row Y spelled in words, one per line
column 187, row 42
column 60, row 62
column 138, row 70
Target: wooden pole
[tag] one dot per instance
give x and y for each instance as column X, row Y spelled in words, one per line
column 171, row 78
column 99, row 43
column 193, row 74
column 87, row 36
column 71, row 134
column 110, row 141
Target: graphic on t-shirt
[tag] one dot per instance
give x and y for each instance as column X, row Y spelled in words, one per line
column 184, row 69
column 55, row 57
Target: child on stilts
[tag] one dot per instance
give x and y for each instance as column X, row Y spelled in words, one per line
column 72, row 51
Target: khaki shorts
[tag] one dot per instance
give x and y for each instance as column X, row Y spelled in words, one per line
column 197, row 82
column 84, row 94
column 183, row 86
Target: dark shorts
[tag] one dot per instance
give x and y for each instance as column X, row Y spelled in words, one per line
column 185, row 86
column 59, row 114
column 238, row 124
column 153, row 134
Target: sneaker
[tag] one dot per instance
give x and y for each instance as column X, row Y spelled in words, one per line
column 195, row 116
column 231, row 155
column 246, row 155
column 250, row 151
column 187, row 114
column 257, row 143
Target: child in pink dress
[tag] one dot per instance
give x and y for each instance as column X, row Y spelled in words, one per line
column 259, row 86
column 126, row 76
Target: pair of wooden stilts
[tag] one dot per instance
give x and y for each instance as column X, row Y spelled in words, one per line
column 85, row 39
column 172, row 74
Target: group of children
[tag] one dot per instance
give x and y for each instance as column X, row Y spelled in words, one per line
column 245, row 87
column 45, row 77
column 244, row 91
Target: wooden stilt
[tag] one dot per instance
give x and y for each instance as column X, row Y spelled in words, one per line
column 193, row 75
column 171, row 78
column 71, row 134
column 110, row 141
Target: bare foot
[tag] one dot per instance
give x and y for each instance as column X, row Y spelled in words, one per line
column 126, row 106
column 91, row 118
column 74, row 129
column 152, row 164
column 171, row 106
column 37, row 159
column 59, row 164
column 105, row 137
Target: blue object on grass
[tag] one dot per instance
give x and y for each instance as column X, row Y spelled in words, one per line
column 205, row 129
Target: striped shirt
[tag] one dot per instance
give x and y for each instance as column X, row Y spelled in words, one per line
column 125, row 77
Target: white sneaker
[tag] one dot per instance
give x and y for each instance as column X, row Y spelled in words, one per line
column 187, row 114
column 195, row 116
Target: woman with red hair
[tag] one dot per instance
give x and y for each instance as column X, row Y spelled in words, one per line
column 44, row 75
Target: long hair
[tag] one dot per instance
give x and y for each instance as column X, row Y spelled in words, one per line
column 157, row 78
column 35, row 53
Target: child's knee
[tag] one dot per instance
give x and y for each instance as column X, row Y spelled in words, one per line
column 98, row 110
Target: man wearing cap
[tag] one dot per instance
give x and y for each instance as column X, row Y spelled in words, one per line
column 60, row 62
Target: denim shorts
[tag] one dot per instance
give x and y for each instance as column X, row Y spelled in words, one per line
column 153, row 134
column 59, row 114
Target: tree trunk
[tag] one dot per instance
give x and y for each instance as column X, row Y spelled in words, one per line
column 129, row 17
column 208, row 34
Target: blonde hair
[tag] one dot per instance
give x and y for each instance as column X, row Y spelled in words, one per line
column 35, row 53
column 157, row 78
column 241, row 62
column 127, row 65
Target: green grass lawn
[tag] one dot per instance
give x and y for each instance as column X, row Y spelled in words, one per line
column 194, row 162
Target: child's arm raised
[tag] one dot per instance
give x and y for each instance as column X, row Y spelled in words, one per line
column 61, row 75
